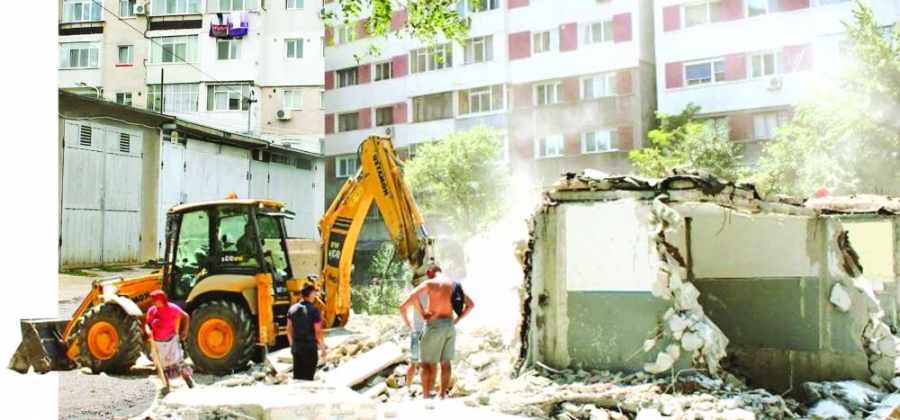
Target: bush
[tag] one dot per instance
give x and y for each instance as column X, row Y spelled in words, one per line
column 384, row 286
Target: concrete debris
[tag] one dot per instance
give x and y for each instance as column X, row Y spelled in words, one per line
column 840, row 298
column 828, row 409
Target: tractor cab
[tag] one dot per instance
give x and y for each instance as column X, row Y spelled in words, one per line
column 233, row 238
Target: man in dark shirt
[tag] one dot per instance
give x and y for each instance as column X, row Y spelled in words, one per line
column 304, row 330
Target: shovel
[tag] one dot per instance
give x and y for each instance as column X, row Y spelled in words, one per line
column 158, row 363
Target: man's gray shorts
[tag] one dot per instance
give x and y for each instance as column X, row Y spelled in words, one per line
column 438, row 341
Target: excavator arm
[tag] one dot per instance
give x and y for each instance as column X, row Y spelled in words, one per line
column 379, row 180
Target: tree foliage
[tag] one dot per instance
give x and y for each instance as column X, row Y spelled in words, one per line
column 457, row 181
column 844, row 135
column 430, row 21
column 682, row 142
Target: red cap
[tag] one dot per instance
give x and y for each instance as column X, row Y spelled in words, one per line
column 158, row 294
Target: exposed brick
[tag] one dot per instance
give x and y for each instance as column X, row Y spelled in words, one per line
column 399, row 19
column 568, row 36
column 674, row 75
column 572, row 144
column 519, row 45
column 329, row 35
column 740, row 126
column 364, row 73
column 400, row 113
column 361, row 31
column 521, row 147
column 788, row 5
column 399, row 65
column 622, row 27
column 624, row 83
column 735, row 66
column 522, row 96
column 329, row 80
column 512, row 4
column 798, row 58
column 329, row 123
column 569, row 88
column 365, row 118
column 732, row 9
column 626, row 137
column 671, row 18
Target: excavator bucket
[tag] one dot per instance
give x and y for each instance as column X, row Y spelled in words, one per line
column 42, row 347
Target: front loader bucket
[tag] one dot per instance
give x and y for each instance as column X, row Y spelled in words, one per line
column 42, row 347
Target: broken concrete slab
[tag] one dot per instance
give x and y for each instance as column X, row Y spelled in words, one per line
column 296, row 400
column 364, row 366
column 331, row 341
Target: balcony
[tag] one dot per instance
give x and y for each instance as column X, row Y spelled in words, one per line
column 497, row 121
column 81, row 28
column 174, row 22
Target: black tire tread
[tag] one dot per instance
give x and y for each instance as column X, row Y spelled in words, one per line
column 131, row 341
column 244, row 337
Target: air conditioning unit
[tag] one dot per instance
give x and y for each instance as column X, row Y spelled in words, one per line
column 283, row 114
column 388, row 131
column 140, row 9
column 774, row 83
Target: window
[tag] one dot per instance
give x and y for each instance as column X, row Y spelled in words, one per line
column 293, row 48
column 321, row 99
column 293, row 4
column 705, row 72
column 597, row 32
column 431, row 58
column 767, row 64
column 545, row 41
column 438, row 106
column 174, row 49
column 126, row 8
column 828, row 2
column 346, row 166
column 598, row 86
column 80, row 11
column 293, row 99
column 79, row 55
column 123, row 98
column 546, row 94
column 344, row 34
column 178, row 97
column 126, row 55
column 483, row 99
column 175, row 7
column 384, row 116
column 479, row 50
column 348, row 121
column 702, row 13
column 718, row 126
column 764, row 125
column 599, row 141
column 229, row 49
column 383, row 71
column 761, row 7
column 549, row 146
column 346, row 77
column 227, row 97
column 231, row 5
column 474, row 6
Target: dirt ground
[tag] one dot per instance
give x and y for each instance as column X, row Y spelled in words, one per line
column 87, row 396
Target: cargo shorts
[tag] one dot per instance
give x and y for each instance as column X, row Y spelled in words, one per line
column 438, row 342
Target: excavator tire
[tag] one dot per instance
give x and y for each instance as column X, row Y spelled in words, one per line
column 109, row 339
column 221, row 337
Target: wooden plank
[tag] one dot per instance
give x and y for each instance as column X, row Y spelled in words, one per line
column 365, row 365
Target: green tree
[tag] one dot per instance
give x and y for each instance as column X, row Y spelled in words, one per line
column 844, row 134
column 427, row 20
column 457, row 181
column 383, row 288
column 683, row 142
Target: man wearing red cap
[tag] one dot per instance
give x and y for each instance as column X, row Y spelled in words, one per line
column 168, row 325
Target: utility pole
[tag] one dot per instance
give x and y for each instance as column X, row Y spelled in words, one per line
column 250, row 102
column 162, row 91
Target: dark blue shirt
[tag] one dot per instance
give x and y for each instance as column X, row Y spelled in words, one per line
column 304, row 316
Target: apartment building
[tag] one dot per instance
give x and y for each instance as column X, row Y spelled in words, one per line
column 201, row 60
column 747, row 63
column 570, row 84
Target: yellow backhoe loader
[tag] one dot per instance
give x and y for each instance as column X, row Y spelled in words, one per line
column 228, row 265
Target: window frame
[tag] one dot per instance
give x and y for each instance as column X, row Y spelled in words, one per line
column 192, row 90
column 294, row 7
column 492, row 95
column 321, row 98
column 94, row 13
column 129, row 10
column 187, row 8
column 353, row 158
column 130, row 59
column 298, row 48
column 424, row 116
column 541, row 146
column 780, row 118
column 778, row 65
column 343, row 74
column 712, row 76
column 552, row 35
column 344, row 34
column 610, row 82
column 234, row 48
column 343, row 121
column 88, row 47
column 709, row 13
column 588, row 29
column 537, row 96
column 486, row 46
column 430, row 60
column 229, row 90
column 378, row 68
column 768, row 7
column 159, row 44
column 612, row 142
column 293, row 93
column 388, row 110
column 128, row 98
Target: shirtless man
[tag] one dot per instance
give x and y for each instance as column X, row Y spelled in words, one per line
column 438, row 340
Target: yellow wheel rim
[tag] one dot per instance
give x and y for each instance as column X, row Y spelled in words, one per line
column 103, row 340
column 215, row 338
